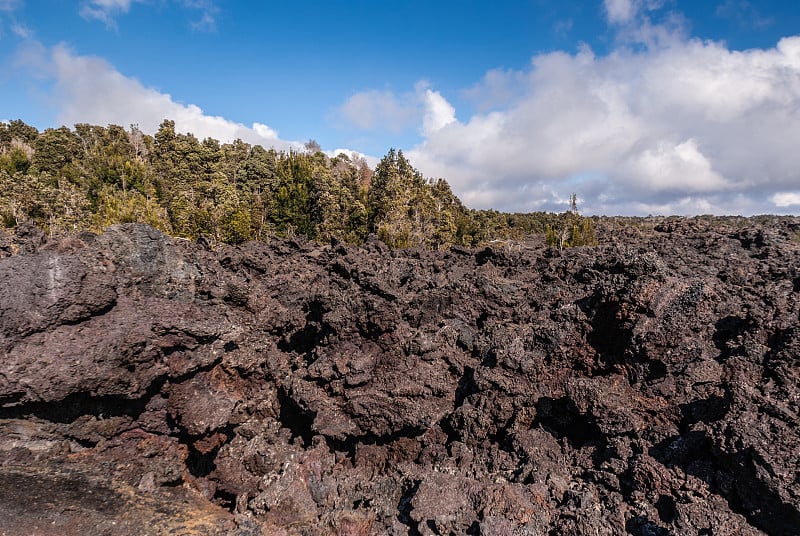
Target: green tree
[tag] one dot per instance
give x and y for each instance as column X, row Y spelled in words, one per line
column 54, row 205
column 394, row 186
column 109, row 157
column 447, row 210
column 90, row 177
column 339, row 212
column 292, row 211
column 17, row 132
column 56, row 151
column 128, row 206
column 16, row 146
column 255, row 179
column 572, row 229
column 185, row 175
column 15, row 160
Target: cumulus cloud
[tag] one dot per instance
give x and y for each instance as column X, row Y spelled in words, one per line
column 438, row 113
column 497, row 88
column 379, row 110
column 88, row 89
column 786, row 199
column 621, row 11
column 392, row 112
column 685, row 127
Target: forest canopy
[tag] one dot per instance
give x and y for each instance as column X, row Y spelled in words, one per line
column 69, row 180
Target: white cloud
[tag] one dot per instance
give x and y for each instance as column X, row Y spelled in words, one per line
column 264, row 131
column 207, row 22
column 682, row 126
column 438, row 112
column 743, row 13
column 89, row 90
column 497, row 88
column 677, row 167
column 7, row 17
column 107, row 11
column 385, row 110
column 786, row 199
column 621, row 11
column 380, row 110
column 104, row 10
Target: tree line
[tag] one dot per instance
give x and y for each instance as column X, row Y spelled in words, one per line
column 67, row 180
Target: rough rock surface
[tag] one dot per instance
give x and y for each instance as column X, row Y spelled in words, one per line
column 647, row 386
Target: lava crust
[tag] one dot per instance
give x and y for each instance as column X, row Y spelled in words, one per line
column 646, row 386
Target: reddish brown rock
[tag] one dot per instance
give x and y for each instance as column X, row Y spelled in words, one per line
column 647, row 386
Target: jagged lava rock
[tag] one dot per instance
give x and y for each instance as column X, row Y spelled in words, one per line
column 646, row 386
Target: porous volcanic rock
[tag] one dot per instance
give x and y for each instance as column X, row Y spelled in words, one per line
column 647, row 386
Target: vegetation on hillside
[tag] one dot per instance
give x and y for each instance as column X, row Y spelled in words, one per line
column 572, row 229
column 87, row 178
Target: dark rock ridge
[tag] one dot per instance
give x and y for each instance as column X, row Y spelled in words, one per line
column 648, row 386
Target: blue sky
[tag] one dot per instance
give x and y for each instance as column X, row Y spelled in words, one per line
column 640, row 106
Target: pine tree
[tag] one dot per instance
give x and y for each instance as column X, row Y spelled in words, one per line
column 395, row 184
